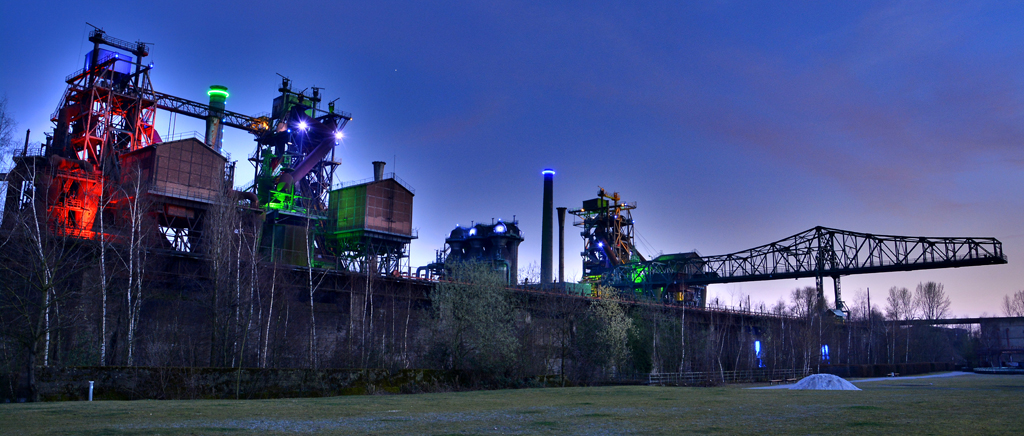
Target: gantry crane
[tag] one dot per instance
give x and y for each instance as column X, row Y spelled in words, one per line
column 819, row 253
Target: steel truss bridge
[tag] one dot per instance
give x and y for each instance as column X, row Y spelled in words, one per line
column 819, row 252
column 256, row 125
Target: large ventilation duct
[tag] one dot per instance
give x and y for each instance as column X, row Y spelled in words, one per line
column 378, row 170
column 545, row 243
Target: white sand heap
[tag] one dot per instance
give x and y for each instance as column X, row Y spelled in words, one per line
column 824, row 382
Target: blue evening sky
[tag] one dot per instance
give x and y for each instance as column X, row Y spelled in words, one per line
column 731, row 124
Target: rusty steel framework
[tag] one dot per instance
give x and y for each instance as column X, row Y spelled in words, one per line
column 256, row 125
column 106, row 111
column 106, row 154
column 819, row 252
column 104, row 135
column 822, row 251
column 607, row 224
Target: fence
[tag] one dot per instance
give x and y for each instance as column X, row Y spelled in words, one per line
column 698, row 378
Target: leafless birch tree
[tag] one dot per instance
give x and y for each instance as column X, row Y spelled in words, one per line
column 1013, row 305
column 931, row 300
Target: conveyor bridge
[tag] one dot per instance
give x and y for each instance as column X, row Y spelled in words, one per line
column 819, row 252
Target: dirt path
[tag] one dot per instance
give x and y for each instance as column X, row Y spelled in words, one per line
column 911, row 377
column 944, row 374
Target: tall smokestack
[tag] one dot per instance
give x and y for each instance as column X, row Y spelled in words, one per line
column 561, row 244
column 545, row 237
column 378, row 171
column 215, row 118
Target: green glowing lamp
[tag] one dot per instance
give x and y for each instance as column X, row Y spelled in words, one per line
column 218, row 91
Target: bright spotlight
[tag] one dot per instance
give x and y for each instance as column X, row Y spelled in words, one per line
column 302, row 125
column 500, row 228
column 338, row 135
column 472, row 232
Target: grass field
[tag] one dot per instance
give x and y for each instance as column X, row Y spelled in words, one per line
column 969, row 404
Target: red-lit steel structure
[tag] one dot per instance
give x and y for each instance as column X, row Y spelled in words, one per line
column 107, row 110
column 105, row 154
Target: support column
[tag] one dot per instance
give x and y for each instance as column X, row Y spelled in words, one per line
column 820, row 287
column 839, row 298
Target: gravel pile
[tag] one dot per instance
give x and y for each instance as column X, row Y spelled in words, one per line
column 824, row 382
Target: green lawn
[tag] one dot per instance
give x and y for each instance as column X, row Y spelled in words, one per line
column 970, row 404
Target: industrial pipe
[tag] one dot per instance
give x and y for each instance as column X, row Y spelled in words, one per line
column 284, row 180
column 254, row 201
column 378, row 170
column 322, row 134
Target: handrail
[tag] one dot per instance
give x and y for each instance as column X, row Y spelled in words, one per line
column 186, row 135
column 108, row 59
column 349, row 184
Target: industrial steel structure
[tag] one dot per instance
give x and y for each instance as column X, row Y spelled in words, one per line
column 104, row 137
column 819, row 253
column 107, row 110
column 495, row 244
column 607, row 234
column 369, row 223
column 611, row 259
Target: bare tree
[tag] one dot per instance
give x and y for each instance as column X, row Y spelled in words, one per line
column 1013, row 305
column 105, row 200
column 7, row 125
column 7, row 145
column 931, row 300
column 900, row 308
column 805, row 300
column 809, row 306
column 270, row 314
column 682, row 340
column 136, row 207
column 248, row 230
column 39, row 270
column 313, row 286
column 216, row 243
column 530, row 273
